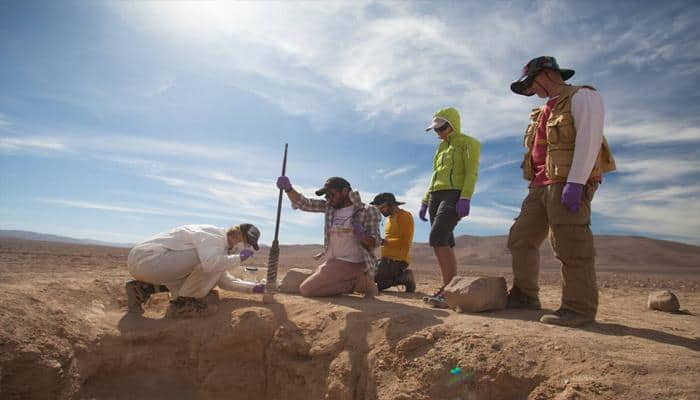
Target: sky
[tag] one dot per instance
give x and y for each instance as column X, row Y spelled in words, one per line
column 120, row 120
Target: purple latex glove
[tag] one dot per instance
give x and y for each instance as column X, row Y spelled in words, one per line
column 245, row 254
column 283, row 183
column 359, row 231
column 423, row 209
column 259, row 288
column 462, row 207
column 571, row 196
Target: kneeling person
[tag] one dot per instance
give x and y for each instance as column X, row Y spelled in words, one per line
column 188, row 262
column 392, row 269
column 351, row 234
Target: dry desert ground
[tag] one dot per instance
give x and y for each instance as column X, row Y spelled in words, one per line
column 65, row 334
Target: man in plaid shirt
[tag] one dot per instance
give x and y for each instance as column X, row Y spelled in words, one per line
column 351, row 233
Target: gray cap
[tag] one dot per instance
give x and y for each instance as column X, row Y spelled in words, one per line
column 251, row 234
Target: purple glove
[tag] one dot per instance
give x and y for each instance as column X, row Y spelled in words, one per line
column 571, row 196
column 283, row 183
column 259, row 288
column 463, row 207
column 245, row 254
column 423, row 209
column 359, row 231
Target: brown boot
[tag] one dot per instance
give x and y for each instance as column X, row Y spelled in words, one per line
column 407, row 280
column 565, row 317
column 186, row 307
column 137, row 293
column 518, row 299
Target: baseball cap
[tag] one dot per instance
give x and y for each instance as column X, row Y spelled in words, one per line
column 334, row 182
column 437, row 122
column 251, row 234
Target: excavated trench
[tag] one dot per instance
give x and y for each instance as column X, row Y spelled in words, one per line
column 256, row 353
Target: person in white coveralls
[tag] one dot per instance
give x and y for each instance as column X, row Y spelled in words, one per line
column 188, row 262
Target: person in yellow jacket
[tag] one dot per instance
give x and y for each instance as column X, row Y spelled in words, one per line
column 448, row 198
column 392, row 268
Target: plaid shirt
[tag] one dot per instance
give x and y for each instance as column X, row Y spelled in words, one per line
column 368, row 216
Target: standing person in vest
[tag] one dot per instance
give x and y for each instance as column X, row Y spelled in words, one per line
column 448, row 198
column 564, row 162
column 392, row 268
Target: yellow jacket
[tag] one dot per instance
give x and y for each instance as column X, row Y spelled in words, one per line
column 398, row 236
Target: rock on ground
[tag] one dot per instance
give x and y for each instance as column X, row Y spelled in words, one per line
column 663, row 300
column 476, row 294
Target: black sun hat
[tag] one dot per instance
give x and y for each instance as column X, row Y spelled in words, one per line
column 385, row 198
column 532, row 68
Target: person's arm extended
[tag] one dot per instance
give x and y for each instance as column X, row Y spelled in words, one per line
column 471, row 167
column 299, row 202
column 297, row 199
column 405, row 221
column 589, row 115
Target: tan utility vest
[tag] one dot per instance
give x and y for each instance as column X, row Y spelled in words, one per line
column 561, row 138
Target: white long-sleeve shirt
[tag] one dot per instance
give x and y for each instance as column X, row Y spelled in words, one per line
column 588, row 112
column 209, row 242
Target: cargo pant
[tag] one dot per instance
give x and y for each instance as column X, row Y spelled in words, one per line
column 571, row 238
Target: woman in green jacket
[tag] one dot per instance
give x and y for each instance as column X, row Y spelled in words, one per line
column 448, row 198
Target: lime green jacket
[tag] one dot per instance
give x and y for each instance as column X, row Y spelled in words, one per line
column 456, row 162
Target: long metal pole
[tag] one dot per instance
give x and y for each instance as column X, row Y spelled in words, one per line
column 273, row 259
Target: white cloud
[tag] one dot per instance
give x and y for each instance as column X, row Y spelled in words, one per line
column 668, row 211
column 19, row 144
column 654, row 170
column 389, row 173
column 654, row 132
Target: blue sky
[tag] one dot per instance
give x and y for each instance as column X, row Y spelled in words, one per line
column 119, row 120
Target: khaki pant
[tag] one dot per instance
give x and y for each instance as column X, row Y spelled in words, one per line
column 334, row 277
column 572, row 241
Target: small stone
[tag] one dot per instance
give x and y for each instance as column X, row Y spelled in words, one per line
column 663, row 300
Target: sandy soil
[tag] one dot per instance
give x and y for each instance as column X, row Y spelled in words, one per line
column 64, row 333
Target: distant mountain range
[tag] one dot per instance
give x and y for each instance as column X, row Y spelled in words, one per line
column 45, row 237
column 641, row 252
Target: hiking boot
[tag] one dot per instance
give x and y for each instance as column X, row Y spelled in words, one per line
column 437, row 300
column 186, row 307
column 518, row 299
column 407, row 280
column 137, row 293
column 566, row 317
column 437, row 293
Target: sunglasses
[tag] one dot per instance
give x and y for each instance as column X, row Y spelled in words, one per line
column 442, row 128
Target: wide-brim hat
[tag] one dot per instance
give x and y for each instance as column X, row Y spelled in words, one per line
column 385, row 198
column 532, row 68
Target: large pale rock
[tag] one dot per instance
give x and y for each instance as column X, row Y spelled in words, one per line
column 294, row 278
column 476, row 293
column 663, row 300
